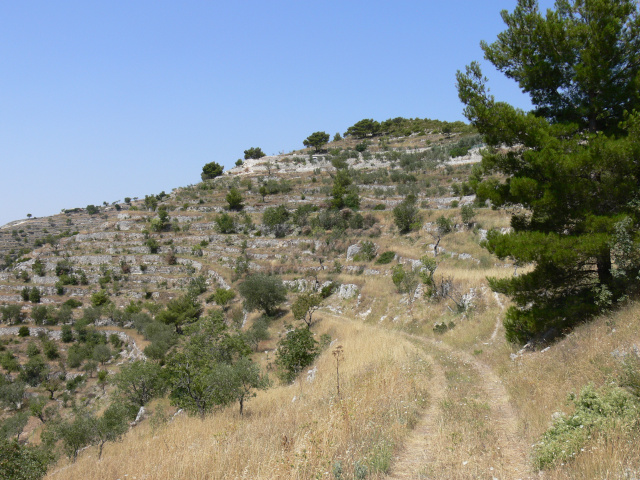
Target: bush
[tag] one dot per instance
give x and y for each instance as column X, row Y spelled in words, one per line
column 225, row 223
column 275, row 219
column 328, row 290
column 596, row 411
column 468, row 214
column 222, row 296
column 405, row 281
column 67, row 334
column 296, row 351
column 407, row 215
column 444, row 225
column 34, row 295
column 386, row 257
column 153, row 245
column 92, row 209
column 38, row 268
column 73, row 303
column 99, row 298
column 367, row 252
column 263, row 292
column 23, row 331
column 234, row 199
column 50, row 350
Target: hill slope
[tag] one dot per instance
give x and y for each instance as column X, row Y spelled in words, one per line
column 428, row 387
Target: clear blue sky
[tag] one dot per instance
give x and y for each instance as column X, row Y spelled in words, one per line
column 103, row 100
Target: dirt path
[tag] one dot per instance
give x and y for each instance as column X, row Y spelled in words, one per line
column 423, row 443
column 418, row 450
column 514, row 461
column 494, row 335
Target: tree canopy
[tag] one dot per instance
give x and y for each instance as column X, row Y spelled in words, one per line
column 316, row 140
column 264, row 292
column 234, row 199
column 364, row 128
column 570, row 169
column 275, row 219
column 211, row 170
column 253, row 152
column 212, row 369
column 180, row 311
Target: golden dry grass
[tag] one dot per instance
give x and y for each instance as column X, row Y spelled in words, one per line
column 298, row 431
column 539, row 383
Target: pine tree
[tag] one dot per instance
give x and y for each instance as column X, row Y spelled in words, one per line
column 570, row 169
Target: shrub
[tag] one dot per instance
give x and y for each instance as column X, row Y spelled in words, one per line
column 328, row 290
column 407, row 215
column 222, row 296
column 23, row 331
column 386, row 257
column 405, row 281
column 296, row 351
column 99, row 298
column 234, row 199
column 153, row 245
column 92, row 209
column 262, row 292
column 34, row 295
column 468, row 214
column 596, row 411
column 67, row 334
column 444, row 225
column 225, row 223
column 275, row 219
column 73, row 303
column 367, row 252
column 38, row 268
column 50, row 350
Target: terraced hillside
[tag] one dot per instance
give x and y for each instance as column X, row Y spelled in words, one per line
column 412, row 377
column 116, row 240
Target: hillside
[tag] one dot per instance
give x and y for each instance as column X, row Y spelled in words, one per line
column 413, row 378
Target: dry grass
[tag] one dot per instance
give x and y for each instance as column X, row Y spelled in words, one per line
column 540, row 381
column 299, row 431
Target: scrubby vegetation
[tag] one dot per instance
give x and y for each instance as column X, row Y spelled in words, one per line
column 327, row 313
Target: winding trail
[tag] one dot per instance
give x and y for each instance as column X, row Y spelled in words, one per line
column 494, row 334
column 418, row 448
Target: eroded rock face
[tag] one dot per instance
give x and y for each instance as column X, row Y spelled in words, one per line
column 298, row 285
column 348, row 290
column 352, row 251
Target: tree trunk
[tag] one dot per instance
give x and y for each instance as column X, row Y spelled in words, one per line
column 603, row 262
